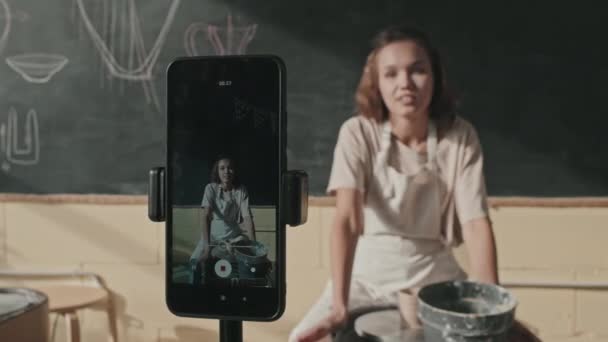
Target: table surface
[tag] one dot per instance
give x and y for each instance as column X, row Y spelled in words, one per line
column 63, row 298
column 386, row 325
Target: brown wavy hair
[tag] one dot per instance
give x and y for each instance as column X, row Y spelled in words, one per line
column 215, row 176
column 368, row 99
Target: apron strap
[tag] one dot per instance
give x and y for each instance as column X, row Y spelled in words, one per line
column 431, row 143
column 385, row 146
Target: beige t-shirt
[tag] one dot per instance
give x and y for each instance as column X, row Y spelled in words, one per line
column 460, row 166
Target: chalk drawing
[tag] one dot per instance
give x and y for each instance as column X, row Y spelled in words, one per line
column 132, row 35
column 37, row 67
column 24, row 151
column 120, row 42
column 2, row 138
column 5, row 13
column 227, row 40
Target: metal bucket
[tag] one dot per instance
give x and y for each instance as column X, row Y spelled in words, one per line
column 252, row 258
column 24, row 315
column 459, row 311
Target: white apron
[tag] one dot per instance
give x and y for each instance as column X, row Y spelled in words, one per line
column 225, row 217
column 401, row 246
column 224, row 224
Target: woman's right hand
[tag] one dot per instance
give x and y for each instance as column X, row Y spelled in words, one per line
column 201, row 251
column 334, row 321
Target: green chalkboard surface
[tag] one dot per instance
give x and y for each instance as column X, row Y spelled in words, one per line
column 82, row 91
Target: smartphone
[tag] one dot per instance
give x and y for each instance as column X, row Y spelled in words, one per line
column 225, row 157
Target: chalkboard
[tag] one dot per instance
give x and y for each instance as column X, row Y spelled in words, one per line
column 82, row 95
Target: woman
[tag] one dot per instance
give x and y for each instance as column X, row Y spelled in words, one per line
column 225, row 216
column 408, row 179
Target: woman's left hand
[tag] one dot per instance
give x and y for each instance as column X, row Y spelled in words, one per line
column 323, row 329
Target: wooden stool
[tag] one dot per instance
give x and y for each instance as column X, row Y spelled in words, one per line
column 64, row 300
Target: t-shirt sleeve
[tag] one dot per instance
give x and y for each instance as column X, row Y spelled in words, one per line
column 208, row 196
column 348, row 167
column 470, row 189
column 245, row 210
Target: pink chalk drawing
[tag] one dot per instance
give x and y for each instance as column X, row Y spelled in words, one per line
column 227, row 40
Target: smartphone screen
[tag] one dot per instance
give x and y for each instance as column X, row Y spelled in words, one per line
column 225, row 158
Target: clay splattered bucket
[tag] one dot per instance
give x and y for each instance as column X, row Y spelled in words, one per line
column 24, row 315
column 252, row 259
column 458, row 311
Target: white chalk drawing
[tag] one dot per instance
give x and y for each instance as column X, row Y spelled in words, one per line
column 119, row 40
column 5, row 13
column 37, row 67
column 2, row 138
column 21, row 16
column 132, row 35
column 20, row 150
column 18, row 15
column 227, row 40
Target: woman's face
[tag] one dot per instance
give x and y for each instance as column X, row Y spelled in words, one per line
column 225, row 171
column 405, row 79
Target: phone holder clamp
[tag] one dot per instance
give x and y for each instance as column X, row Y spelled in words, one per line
column 294, row 196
